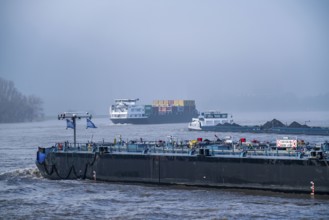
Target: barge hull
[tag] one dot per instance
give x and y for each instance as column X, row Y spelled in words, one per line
column 275, row 174
column 156, row 119
column 257, row 130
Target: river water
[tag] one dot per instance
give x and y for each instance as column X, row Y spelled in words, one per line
column 24, row 194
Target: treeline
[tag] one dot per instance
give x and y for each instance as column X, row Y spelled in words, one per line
column 16, row 107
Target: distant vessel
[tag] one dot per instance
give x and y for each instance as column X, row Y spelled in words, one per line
column 127, row 111
column 210, row 118
column 222, row 122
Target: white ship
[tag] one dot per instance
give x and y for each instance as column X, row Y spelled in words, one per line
column 127, row 111
column 210, row 119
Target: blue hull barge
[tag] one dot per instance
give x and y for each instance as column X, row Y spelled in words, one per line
column 286, row 166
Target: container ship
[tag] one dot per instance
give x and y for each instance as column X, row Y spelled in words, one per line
column 128, row 111
column 287, row 165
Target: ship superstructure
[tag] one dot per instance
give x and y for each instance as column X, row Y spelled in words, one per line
column 126, row 110
column 210, row 118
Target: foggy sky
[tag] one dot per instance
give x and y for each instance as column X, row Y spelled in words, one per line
column 228, row 55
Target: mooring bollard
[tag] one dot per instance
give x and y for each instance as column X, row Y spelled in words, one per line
column 312, row 188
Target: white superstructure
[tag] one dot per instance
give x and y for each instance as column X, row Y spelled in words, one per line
column 127, row 109
column 210, row 118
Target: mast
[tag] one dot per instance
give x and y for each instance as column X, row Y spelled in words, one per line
column 73, row 116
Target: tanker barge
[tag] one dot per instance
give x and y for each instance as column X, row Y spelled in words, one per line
column 210, row 164
column 288, row 165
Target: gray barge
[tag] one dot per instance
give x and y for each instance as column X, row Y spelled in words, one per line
column 288, row 165
column 222, row 122
column 210, row 164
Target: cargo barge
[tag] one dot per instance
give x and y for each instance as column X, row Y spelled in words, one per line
column 289, row 165
column 223, row 122
column 205, row 164
column 128, row 111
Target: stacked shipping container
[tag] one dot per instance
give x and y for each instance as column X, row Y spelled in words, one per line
column 158, row 103
column 164, row 107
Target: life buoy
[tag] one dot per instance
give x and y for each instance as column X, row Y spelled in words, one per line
column 60, row 146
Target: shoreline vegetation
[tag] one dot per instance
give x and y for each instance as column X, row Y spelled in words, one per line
column 16, row 107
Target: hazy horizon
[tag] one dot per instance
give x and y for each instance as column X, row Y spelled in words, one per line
column 235, row 56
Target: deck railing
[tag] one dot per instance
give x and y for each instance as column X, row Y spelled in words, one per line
column 186, row 149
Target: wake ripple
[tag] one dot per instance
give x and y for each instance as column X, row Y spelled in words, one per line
column 31, row 173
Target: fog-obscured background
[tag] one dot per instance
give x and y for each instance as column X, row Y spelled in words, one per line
column 237, row 56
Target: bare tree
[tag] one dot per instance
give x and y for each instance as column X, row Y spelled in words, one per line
column 15, row 107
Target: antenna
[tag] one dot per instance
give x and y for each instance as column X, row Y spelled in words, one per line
column 74, row 116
